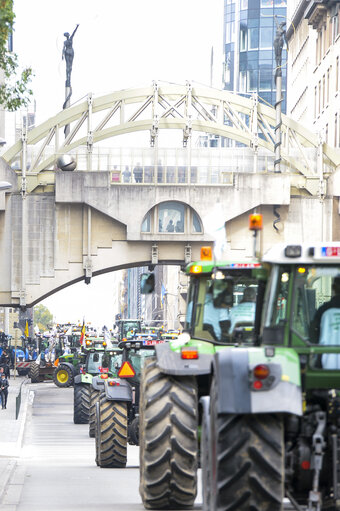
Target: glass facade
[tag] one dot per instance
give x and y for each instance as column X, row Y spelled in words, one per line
column 250, row 28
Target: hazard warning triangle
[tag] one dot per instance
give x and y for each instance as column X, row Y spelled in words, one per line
column 126, row 371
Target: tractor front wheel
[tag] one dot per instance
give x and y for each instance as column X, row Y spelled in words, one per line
column 168, row 439
column 63, row 376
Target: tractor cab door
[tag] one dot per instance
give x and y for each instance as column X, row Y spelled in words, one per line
column 302, row 311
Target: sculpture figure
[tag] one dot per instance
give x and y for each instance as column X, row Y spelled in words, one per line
column 68, row 53
column 280, row 38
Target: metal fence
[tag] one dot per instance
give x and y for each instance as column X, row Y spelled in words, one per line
column 18, row 401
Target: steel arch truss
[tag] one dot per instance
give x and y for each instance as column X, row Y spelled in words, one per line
column 167, row 106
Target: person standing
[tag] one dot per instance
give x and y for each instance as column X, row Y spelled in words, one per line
column 4, row 390
column 138, row 173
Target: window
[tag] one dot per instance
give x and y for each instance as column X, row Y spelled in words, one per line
column 243, row 81
column 315, row 101
column 319, row 102
column 267, row 3
column 266, row 78
column 323, row 91
column 196, row 224
column 337, row 74
column 171, row 217
column 336, row 130
column 327, row 97
column 243, row 39
column 252, row 80
column 244, row 4
column 326, row 134
column 253, row 38
column 266, row 37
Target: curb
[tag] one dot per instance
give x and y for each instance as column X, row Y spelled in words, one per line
column 8, row 474
column 12, row 461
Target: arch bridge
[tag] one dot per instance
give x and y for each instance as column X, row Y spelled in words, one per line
column 114, row 209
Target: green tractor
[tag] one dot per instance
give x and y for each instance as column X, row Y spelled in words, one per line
column 68, row 364
column 174, row 380
column 271, row 428
column 94, row 353
column 127, row 328
column 117, row 407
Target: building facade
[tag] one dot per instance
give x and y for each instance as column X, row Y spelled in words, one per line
column 314, row 52
column 249, row 59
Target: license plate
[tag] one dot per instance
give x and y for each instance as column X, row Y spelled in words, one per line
column 152, row 343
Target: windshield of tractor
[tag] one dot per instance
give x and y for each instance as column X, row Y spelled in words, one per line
column 223, row 309
column 129, row 328
column 308, row 297
column 94, row 361
column 115, row 363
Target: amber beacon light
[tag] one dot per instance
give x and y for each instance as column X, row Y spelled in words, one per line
column 255, row 222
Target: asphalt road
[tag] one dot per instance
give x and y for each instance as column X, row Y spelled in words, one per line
column 57, row 469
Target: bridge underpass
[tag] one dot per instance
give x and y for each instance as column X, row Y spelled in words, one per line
column 61, row 227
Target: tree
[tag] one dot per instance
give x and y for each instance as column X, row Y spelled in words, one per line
column 43, row 318
column 14, row 89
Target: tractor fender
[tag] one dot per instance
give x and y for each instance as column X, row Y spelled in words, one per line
column 83, row 378
column 70, row 366
column 121, row 392
column 98, row 383
column 170, row 362
column 232, row 370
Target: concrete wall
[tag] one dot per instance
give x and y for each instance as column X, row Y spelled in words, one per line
column 56, row 232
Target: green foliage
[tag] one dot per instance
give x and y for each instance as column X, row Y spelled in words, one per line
column 43, row 318
column 14, row 90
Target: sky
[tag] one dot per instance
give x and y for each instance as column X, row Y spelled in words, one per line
column 119, row 44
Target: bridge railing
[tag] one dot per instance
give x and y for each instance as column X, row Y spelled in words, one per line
column 200, row 165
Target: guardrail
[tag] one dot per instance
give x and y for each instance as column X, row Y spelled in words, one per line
column 18, row 400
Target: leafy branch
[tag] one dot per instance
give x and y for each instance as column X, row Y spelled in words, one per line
column 14, row 89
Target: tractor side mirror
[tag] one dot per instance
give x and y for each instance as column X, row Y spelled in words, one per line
column 147, row 283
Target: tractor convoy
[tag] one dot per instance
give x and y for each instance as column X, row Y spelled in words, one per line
column 250, row 390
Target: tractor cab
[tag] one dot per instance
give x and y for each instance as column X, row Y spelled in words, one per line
column 223, row 299
column 302, row 308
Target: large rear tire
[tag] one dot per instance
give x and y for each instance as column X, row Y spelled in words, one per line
column 34, row 373
column 81, row 404
column 63, row 376
column 167, row 439
column 247, row 467
column 206, row 454
column 94, row 398
column 111, row 433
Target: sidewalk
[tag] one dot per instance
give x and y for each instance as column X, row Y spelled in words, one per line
column 12, row 430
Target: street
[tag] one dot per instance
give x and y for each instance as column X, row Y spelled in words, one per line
column 56, row 468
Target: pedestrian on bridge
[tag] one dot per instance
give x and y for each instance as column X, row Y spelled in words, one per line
column 4, row 390
column 138, row 173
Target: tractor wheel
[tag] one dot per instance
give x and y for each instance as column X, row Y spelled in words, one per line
column 134, row 432
column 94, row 398
column 81, row 404
column 248, row 462
column 63, row 376
column 34, row 373
column 168, row 439
column 206, row 455
column 111, row 433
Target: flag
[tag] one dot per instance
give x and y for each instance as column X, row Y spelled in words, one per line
column 163, row 293
column 26, row 329
column 82, row 335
